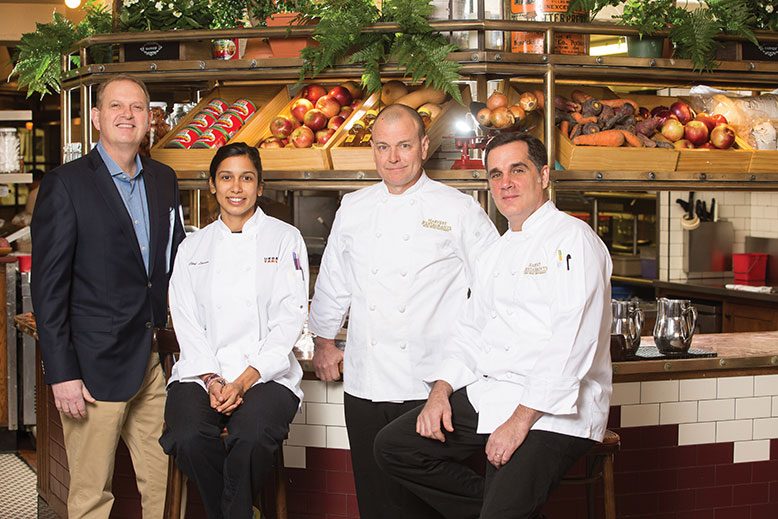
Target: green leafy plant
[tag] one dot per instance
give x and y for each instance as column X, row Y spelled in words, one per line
column 158, row 15
column 416, row 47
column 228, row 14
column 261, row 10
column 593, row 7
column 765, row 14
column 693, row 32
column 647, row 16
column 38, row 58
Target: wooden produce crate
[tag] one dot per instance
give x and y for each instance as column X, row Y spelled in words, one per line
column 300, row 159
column 269, row 100
column 733, row 160
column 763, row 161
column 361, row 157
column 601, row 158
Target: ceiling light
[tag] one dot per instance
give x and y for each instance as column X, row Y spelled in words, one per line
column 73, row 4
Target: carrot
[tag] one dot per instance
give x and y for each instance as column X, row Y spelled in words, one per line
column 564, row 127
column 631, row 139
column 580, row 119
column 579, row 96
column 618, row 103
column 610, row 138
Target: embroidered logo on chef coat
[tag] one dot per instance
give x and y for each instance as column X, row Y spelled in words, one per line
column 438, row 225
column 197, row 263
column 271, row 259
column 535, row 269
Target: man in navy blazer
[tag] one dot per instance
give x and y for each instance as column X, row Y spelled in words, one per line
column 105, row 231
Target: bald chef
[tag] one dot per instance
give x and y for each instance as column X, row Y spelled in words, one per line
column 399, row 262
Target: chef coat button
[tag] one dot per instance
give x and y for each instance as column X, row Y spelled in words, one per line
column 218, row 307
column 378, row 235
column 496, row 274
column 248, row 267
column 494, row 315
column 248, row 304
column 148, row 324
column 375, row 271
column 406, row 237
column 403, row 273
column 401, row 309
column 477, row 234
column 373, row 342
column 372, row 307
column 509, row 375
column 148, row 285
column 513, row 273
column 507, row 347
column 509, row 311
column 413, row 201
column 403, row 345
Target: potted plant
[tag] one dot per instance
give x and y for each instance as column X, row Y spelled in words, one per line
column 415, row 48
column 283, row 13
column 38, row 57
column 648, row 17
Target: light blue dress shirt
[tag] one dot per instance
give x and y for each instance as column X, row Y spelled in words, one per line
column 133, row 193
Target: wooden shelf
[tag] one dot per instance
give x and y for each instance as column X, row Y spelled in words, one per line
column 15, row 178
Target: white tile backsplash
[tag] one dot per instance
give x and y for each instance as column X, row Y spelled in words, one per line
column 639, row 415
column 734, row 430
column 337, row 438
column 750, row 451
column 698, row 389
column 765, row 428
column 307, row 435
column 716, row 410
column 765, row 385
column 314, row 390
column 734, row 387
column 294, row 457
column 325, row 414
column 335, row 392
column 626, row 393
column 677, row 412
column 659, row 391
column 299, row 417
column 696, row 433
column 756, row 407
column 775, row 406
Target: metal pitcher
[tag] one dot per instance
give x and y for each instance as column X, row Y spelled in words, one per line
column 625, row 328
column 676, row 320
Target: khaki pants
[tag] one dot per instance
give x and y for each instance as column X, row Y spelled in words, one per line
column 91, row 444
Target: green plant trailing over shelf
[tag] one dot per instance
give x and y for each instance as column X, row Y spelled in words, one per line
column 648, row 17
column 416, row 48
column 228, row 14
column 158, row 15
column 261, row 10
column 38, row 57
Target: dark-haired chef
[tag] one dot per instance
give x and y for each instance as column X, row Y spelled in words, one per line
column 398, row 262
column 527, row 375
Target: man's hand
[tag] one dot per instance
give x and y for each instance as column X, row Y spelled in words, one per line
column 327, row 359
column 437, row 410
column 508, row 437
column 70, row 397
column 232, row 397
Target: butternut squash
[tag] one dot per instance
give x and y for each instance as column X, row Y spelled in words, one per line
column 431, row 108
column 392, row 91
column 422, row 96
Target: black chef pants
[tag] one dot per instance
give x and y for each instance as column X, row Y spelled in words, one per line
column 436, row 471
column 378, row 495
column 230, row 472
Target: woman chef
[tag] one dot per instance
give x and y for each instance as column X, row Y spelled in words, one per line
column 238, row 297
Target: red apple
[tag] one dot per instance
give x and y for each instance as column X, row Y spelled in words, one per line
column 707, row 119
column 315, row 119
column 272, row 142
column 353, row 88
column 356, row 103
column 300, row 107
column 672, row 130
column 345, row 111
column 719, row 119
column 683, row 144
column 302, row 137
column 313, row 92
column 722, row 136
column 329, row 105
column 696, row 132
column 322, row 136
column 682, row 111
column 335, row 122
column 281, row 127
column 341, row 95
column 707, row 146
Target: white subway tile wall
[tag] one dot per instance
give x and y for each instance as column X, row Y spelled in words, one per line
column 765, row 385
column 314, row 390
column 677, row 412
column 325, row 414
column 716, row 410
column 294, row 457
column 639, row 415
column 757, row 407
column 335, row 392
column 775, row 406
column 734, row 430
column 698, row 389
column 626, row 393
column 337, row 438
column 307, row 435
column 659, row 391
column 734, row 387
column 749, row 451
column 765, row 428
column 696, row 433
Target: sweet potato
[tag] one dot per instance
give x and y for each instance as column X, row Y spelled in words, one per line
column 610, row 138
column 618, row 103
column 579, row 96
column 647, row 127
column 647, row 143
column 422, row 96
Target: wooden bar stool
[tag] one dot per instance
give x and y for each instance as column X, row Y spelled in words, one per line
column 272, row 498
column 599, row 465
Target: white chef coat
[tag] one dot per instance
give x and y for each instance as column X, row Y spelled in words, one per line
column 537, row 329
column 239, row 300
column 401, row 265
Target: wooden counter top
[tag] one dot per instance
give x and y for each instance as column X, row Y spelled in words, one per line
column 737, row 354
column 714, row 287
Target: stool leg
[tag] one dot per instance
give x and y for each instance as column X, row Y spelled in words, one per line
column 609, row 487
column 175, row 491
column 591, row 466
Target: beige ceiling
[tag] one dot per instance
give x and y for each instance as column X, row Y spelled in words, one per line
column 17, row 18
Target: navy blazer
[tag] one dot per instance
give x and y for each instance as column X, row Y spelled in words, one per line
column 95, row 305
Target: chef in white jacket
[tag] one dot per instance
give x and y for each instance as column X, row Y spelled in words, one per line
column 399, row 263
column 238, row 298
column 527, row 378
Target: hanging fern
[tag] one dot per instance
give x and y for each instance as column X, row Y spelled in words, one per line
column 418, row 50
column 693, row 33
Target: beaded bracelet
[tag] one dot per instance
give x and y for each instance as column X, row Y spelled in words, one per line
column 213, row 377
